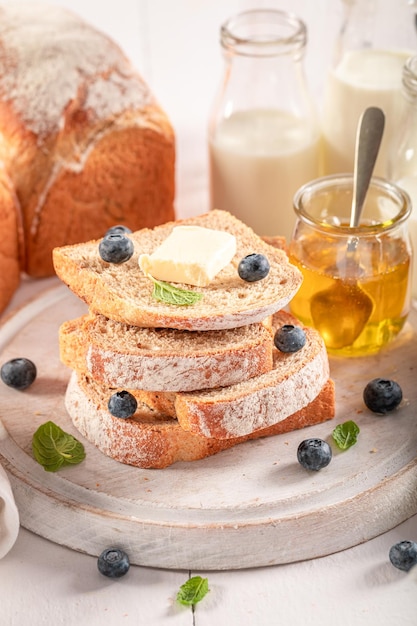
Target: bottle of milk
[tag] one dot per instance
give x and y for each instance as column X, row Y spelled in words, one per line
column 402, row 162
column 376, row 37
column 263, row 131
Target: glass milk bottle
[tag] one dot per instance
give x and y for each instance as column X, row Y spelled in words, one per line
column 376, row 37
column 402, row 166
column 263, row 130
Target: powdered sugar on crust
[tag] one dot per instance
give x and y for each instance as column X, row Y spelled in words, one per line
column 267, row 406
column 50, row 58
column 176, row 373
column 295, row 380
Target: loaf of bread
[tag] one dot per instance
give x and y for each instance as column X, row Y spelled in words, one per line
column 11, row 240
column 124, row 293
column 164, row 359
column 152, row 440
column 84, row 144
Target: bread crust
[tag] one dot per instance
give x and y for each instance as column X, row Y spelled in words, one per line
column 150, row 440
column 123, row 293
column 11, row 244
column 163, row 359
column 91, row 149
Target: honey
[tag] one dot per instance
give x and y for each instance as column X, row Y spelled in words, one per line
column 357, row 281
column 355, row 316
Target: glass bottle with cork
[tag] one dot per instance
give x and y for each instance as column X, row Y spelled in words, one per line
column 264, row 137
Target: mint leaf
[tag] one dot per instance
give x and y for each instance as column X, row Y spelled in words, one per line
column 193, row 591
column 53, row 448
column 346, row 435
column 168, row 294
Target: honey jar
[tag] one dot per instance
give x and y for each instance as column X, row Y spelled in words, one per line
column 357, row 281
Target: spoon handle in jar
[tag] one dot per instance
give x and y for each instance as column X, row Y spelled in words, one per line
column 368, row 139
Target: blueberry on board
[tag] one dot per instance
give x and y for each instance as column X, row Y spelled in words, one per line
column 403, row 555
column 122, row 404
column 113, row 562
column 382, row 396
column 289, row 338
column 18, row 373
column 314, row 454
column 253, row 267
column 116, row 248
column 119, row 228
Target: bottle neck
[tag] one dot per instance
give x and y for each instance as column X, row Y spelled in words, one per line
column 262, row 34
column 263, row 52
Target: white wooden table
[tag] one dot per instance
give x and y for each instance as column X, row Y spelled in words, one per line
column 42, row 583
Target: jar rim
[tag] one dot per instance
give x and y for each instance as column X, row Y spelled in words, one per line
column 346, row 180
column 293, row 35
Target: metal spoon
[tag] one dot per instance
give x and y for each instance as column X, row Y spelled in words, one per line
column 341, row 312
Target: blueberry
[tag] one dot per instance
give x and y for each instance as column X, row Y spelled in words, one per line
column 382, row 396
column 403, row 555
column 113, row 562
column 289, row 338
column 119, row 228
column 18, row 373
column 314, row 454
column 116, row 248
column 122, row 404
column 253, row 267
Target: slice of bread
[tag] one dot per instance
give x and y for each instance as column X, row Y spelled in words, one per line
column 238, row 410
column 164, row 359
column 123, row 293
column 152, row 440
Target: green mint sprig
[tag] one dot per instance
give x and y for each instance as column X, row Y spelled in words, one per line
column 193, row 591
column 53, row 448
column 346, row 435
column 169, row 294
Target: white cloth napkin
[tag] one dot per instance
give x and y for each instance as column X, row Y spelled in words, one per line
column 9, row 515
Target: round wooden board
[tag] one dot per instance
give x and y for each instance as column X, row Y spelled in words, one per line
column 250, row 506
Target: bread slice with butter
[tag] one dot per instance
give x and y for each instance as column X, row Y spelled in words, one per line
column 152, row 440
column 124, row 293
column 164, row 359
column 295, row 379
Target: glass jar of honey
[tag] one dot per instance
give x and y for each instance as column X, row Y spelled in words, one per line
column 357, row 281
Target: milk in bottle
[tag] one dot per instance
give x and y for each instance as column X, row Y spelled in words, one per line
column 263, row 130
column 377, row 36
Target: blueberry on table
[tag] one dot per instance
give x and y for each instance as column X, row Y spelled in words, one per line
column 253, row 267
column 118, row 229
column 403, row 555
column 18, row 373
column 113, row 562
column 289, row 338
column 116, row 248
column 314, row 454
column 122, row 404
column 382, row 395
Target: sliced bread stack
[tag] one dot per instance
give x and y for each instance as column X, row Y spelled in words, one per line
column 206, row 376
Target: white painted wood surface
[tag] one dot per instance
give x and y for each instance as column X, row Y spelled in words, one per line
column 205, row 514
